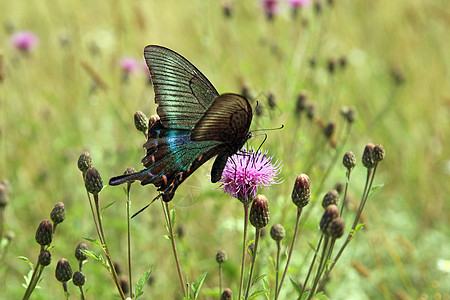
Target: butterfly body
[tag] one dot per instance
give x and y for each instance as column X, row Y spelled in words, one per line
column 196, row 124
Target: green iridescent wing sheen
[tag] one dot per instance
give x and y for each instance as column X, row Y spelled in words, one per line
column 182, row 92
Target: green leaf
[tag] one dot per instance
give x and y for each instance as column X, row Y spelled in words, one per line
column 272, row 262
column 320, row 296
column 267, row 288
column 108, row 205
column 258, row 279
column 305, row 295
column 374, row 189
column 94, row 241
column 140, row 285
column 98, row 257
column 172, row 216
column 257, row 293
column 313, row 248
column 296, row 286
column 196, row 286
column 357, row 228
column 25, row 259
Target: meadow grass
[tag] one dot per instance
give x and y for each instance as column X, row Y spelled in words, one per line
column 68, row 95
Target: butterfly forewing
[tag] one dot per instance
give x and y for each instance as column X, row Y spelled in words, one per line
column 182, row 92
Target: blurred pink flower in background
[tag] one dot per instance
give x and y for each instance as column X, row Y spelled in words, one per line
column 270, row 7
column 299, row 3
column 129, row 64
column 24, row 40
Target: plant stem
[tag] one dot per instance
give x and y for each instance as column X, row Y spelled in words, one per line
column 277, row 269
column 367, row 187
column 299, row 214
column 105, row 248
column 129, row 239
column 33, row 281
column 241, row 282
column 83, row 297
column 320, row 268
column 220, row 279
column 311, row 267
column 255, row 251
column 345, row 193
column 174, row 246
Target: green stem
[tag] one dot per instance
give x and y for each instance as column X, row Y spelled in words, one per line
column 367, row 187
column 311, row 266
column 33, row 281
column 241, row 282
column 320, row 268
column 174, row 246
column 105, row 248
column 129, row 239
column 255, row 251
column 299, row 214
column 83, row 297
column 220, row 279
column 277, row 269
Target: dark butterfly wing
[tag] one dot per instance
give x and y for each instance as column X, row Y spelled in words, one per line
column 182, row 92
column 227, row 120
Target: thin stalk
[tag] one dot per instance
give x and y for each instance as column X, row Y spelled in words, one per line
column 277, row 268
column 241, row 281
column 367, row 187
column 174, row 246
column 299, row 214
column 220, row 279
column 311, row 267
column 83, row 297
column 129, row 239
column 34, row 279
column 105, row 248
column 320, row 268
column 345, row 192
column 255, row 251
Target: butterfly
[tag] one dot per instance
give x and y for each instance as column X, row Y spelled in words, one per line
column 195, row 124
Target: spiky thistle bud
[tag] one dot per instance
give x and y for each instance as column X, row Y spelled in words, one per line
column 129, row 170
column 367, row 158
column 328, row 130
column 311, row 111
column 277, row 232
column 221, row 256
column 58, row 213
column 336, row 228
column 343, row 62
column 140, row 121
column 301, row 194
column 45, row 258
column 349, row 160
column 227, row 294
column 93, row 181
column 78, row 278
column 125, row 285
column 271, row 100
column 331, row 65
column 259, row 213
column 80, row 255
column 351, row 115
column 301, row 102
column 63, row 271
column 378, row 153
column 331, row 212
column 84, row 161
column 44, row 233
column 3, row 196
column 332, row 197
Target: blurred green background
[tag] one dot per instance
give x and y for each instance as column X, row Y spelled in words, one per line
column 70, row 94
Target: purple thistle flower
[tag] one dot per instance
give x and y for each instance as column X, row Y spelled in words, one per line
column 129, row 64
column 24, row 40
column 299, row 3
column 270, row 7
column 245, row 172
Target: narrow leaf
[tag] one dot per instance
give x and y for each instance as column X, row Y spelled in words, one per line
column 140, row 284
column 106, row 206
column 296, row 286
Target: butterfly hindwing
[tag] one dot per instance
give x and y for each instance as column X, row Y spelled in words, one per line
column 182, row 92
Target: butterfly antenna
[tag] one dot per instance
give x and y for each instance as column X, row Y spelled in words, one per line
column 268, row 129
column 142, row 209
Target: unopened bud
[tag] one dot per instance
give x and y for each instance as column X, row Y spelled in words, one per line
column 140, row 121
column 331, row 212
column 93, row 181
column 63, row 271
column 259, row 212
column 332, row 197
column 84, row 161
column 78, row 278
column 367, row 158
column 277, row 232
column 58, row 213
column 301, row 194
column 221, row 256
column 44, row 233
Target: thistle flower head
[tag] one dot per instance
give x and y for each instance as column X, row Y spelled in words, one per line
column 24, row 40
column 58, row 213
column 349, row 160
column 247, row 171
column 259, row 213
column 221, row 256
column 44, row 233
column 93, row 181
column 79, row 255
column 299, row 3
column 84, row 161
column 367, row 158
column 332, row 197
column 378, row 153
column 45, row 258
column 63, row 272
column 140, row 121
column 301, row 193
column 277, row 232
column 78, row 278
column 129, row 64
